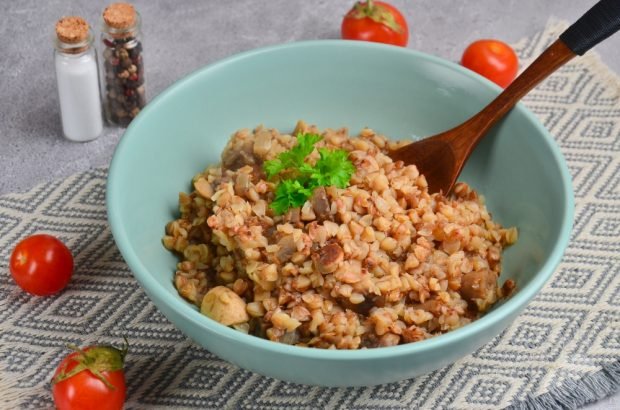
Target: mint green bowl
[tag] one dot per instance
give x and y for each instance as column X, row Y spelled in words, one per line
column 396, row 91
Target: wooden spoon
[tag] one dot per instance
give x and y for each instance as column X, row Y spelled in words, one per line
column 442, row 157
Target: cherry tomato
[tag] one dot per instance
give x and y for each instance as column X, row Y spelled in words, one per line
column 492, row 59
column 375, row 21
column 41, row 264
column 92, row 378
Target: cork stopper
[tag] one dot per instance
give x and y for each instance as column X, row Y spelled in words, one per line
column 120, row 15
column 72, row 30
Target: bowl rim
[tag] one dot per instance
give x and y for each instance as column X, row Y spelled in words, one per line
column 159, row 294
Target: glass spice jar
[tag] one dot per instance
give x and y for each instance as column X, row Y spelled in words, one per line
column 75, row 62
column 123, row 84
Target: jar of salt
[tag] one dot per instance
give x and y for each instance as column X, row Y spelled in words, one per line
column 78, row 82
column 123, row 65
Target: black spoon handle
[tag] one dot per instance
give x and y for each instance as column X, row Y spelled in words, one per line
column 600, row 22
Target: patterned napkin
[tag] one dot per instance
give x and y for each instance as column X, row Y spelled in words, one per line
column 564, row 350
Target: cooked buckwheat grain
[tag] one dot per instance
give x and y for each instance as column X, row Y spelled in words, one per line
column 379, row 263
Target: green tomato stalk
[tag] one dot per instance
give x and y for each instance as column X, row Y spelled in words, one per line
column 376, row 13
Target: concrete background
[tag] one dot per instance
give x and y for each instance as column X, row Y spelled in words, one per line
column 185, row 35
column 181, row 36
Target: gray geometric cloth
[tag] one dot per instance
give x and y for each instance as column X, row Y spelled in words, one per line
column 561, row 352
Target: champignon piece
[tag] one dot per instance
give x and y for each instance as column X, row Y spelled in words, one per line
column 320, row 203
column 242, row 183
column 270, row 232
column 479, row 286
column 225, row 306
column 233, row 159
column 287, row 248
column 328, row 258
column 293, row 216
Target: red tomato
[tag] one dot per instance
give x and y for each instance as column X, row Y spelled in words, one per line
column 492, row 59
column 375, row 21
column 41, row 265
column 91, row 378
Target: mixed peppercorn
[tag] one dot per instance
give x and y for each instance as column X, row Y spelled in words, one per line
column 124, row 79
column 123, row 65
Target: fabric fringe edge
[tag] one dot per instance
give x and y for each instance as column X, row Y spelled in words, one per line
column 575, row 393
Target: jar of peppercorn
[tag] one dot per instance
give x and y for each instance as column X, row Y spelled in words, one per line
column 123, row 84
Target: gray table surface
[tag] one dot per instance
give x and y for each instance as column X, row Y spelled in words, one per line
column 183, row 36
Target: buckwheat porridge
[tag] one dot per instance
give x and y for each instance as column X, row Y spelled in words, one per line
column 375, row 262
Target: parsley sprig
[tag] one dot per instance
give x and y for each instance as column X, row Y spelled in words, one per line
column 297, row 178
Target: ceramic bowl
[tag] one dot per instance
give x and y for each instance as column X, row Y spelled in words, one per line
column 398, row 92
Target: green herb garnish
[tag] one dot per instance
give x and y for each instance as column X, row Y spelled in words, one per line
column 298, row 178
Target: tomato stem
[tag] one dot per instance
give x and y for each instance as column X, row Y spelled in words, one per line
column 377, row 13
column 123, row 351
column 95, row 359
